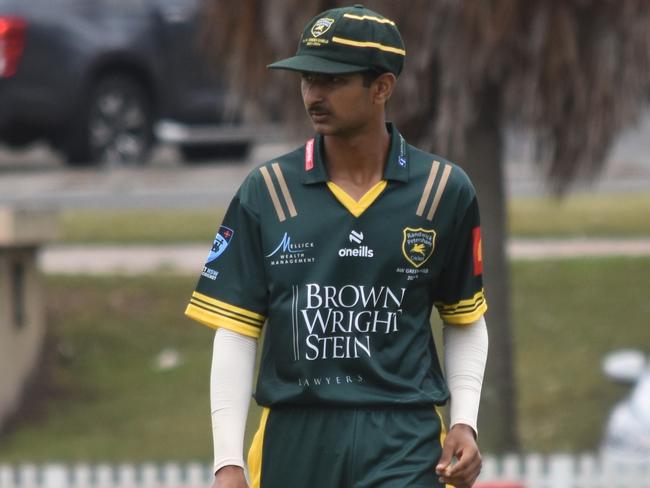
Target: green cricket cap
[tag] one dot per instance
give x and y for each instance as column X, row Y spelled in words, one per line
column 347, row 40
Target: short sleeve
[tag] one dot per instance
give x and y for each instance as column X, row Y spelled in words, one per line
column 459, row 295
column 232, row 290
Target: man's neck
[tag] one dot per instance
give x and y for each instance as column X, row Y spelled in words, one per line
column 356, row 163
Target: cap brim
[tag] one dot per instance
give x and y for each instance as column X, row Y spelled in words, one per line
column 315, row 64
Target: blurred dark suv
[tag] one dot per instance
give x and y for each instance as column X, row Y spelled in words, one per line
column 103, row 80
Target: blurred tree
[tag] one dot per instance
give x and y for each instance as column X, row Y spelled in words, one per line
column 572, row 73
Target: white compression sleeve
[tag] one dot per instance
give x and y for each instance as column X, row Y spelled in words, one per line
column 231, row 387
column 466, row 348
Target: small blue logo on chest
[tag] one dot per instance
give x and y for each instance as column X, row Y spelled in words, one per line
column 402, row 158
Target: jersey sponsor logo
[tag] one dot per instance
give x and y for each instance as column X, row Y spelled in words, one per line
column 309, row 155
column 340, row 322
column 221, row 241
column 418, row 245
column 477, row 251
column 288, row 252
column 357, row 252
column 321, row 26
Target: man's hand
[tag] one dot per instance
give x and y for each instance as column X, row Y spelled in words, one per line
column 461, row 444
column 230, row 477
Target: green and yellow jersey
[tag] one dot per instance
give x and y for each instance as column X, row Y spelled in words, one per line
column 343, row 289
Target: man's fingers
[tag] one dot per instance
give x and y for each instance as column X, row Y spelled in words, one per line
column 464, row 472
column 445, row 459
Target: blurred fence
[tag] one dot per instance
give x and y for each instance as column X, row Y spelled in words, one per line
column 563, row 471
column 170, row 475
column 533, row 471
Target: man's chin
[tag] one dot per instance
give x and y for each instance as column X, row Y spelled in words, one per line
column 323, row 129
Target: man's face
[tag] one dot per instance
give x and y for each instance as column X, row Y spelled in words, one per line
column 337, row 104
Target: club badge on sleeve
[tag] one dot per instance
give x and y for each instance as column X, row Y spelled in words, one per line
column 221, row 241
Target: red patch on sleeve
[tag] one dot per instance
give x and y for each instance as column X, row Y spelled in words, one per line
column 309, row 155
column 478, row 251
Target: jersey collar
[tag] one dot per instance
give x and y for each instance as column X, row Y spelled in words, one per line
column 397, row 164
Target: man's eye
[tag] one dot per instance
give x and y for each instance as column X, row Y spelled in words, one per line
column 322, row 80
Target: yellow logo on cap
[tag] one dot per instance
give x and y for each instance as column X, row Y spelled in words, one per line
column 321, row 26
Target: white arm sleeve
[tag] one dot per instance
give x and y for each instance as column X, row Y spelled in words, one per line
column 466, row 348
column 231, row 387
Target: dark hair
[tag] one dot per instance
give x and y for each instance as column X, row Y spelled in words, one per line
column 369, row 76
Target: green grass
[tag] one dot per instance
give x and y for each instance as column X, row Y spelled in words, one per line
column 568, row 314
column 591, row 215
column 139, row 226
column 578, row 215
column 103, row 399
column 109, row 402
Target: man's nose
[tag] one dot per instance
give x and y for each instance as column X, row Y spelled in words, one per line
column 312, row 93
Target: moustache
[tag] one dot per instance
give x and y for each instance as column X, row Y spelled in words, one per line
column 317, row 109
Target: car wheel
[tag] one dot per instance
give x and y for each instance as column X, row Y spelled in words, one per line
column 197, row 153
column 114, row 126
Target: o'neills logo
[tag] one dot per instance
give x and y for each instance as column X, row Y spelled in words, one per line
column 339, row 322
column 360, row 251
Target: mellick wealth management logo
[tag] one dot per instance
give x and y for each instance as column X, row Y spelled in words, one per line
column 289, row 252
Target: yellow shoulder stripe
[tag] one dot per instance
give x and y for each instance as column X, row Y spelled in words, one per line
column 356, row 208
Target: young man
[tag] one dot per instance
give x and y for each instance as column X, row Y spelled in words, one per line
column 339, row 251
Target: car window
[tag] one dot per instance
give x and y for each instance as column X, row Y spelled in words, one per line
column 126, row 5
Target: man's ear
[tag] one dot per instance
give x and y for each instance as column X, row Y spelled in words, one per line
column 383, row 87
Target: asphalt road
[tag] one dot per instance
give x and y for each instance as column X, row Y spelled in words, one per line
column 39, row 178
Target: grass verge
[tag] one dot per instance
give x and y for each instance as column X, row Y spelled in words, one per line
column 568, row 314
column 107, row 402
column 591, row 215
column 139, row 226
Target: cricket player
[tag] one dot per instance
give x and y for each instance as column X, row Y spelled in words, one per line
column 337, row 252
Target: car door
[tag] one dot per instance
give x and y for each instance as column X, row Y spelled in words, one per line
column 197, row 95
